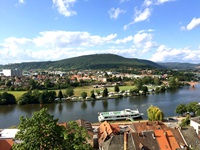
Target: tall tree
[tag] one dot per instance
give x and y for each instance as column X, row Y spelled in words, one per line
column 60, row 95
column 76, row 137
column 92, row 94
column 40, row 132
column 116, row 88
column 155, row 114
column 69, row 91
column 181, row 109
column 84, row 95
column 105, row 92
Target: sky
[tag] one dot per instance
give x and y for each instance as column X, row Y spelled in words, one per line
column 49, row 30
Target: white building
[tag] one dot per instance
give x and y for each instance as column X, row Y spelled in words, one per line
column 11, row 72
column 195, row 123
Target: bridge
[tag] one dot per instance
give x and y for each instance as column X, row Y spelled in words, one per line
column 192, row 84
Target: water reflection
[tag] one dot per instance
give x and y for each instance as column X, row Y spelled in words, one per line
column 60, row 108
column 70, row 105
column 93, row 103
column 5, row 109
column 116, row 102
column 105, row 104
column 84, row 105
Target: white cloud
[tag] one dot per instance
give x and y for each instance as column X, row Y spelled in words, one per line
column 142, row 15
column 163, row 1
column 52, row 45
column 64, row 7
column 122, row 1
column 148, row 3
column 142, row 37
column 65, row 38
column 195, row 22
column 114, row 13
column 21, row 1
column 166, row 54
column 124, row 40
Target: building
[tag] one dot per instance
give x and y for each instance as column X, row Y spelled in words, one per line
column 7, row 138
column 195, row 123
column 11, row 72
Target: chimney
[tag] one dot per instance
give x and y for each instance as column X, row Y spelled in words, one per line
column 125, row 141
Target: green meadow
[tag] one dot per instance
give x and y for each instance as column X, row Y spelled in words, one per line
column 77, row 90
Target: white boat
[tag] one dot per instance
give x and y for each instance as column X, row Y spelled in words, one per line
column 119, row 115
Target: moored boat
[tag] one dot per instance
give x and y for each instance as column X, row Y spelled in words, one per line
column 119, row 115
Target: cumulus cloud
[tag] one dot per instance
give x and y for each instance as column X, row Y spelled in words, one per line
column 124, row 40
column 142, row 15
column 145, row 12
column 114, row 13
column 64, row 7
column 164, row 53
column 65, row 38
column 52, row 45
column 195, row 22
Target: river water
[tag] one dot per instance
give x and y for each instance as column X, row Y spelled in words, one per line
column 67, row 111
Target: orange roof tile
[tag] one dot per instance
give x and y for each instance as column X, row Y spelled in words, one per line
column 6, row 144
column 162, row 140
column 172, row 141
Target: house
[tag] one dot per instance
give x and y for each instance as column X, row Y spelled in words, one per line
column 7, row 138
column 195, row 123
column 190, row 137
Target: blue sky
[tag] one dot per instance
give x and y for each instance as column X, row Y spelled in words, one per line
column 157, row 30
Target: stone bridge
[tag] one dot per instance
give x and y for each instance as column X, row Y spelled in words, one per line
column 192, row 84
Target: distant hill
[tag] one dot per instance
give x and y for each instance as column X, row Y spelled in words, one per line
column 95, row 61
column 180, row 66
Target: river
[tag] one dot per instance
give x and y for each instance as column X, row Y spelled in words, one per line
column 67, row 111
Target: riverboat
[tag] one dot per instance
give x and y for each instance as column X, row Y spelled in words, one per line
column 119, row 115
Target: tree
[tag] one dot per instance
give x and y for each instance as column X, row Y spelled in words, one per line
column 60, row 95
column 156, row 81
column 69, row 91
column 144, row 90
column 181, row 109
column 192, row 107
column 7, row 98
column 47, row 96
column 92, row 94
column 155, row 114
column 76, row 136
column 8, row 83
column 40, row 132
column 32, row 84
column 84, row 95
column 105, row 92
column 116, row 89
column 138, row 83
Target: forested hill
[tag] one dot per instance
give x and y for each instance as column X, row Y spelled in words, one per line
column 180, row 66
column 95, row 61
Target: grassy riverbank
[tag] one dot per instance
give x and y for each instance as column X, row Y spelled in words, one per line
column 77, row 90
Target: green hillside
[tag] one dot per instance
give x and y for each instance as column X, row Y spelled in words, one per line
column 95, row 61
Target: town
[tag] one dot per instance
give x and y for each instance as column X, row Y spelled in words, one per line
column 171, row 133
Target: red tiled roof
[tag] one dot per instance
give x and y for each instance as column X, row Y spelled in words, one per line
column 6, row 144
column 172, row 141
column 162, row 140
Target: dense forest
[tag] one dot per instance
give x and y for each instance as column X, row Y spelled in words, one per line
column 96, row 61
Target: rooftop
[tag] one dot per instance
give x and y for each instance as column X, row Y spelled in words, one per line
column 196, row 119
column 8, row 133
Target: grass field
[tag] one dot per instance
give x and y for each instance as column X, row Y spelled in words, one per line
column 77, row 90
